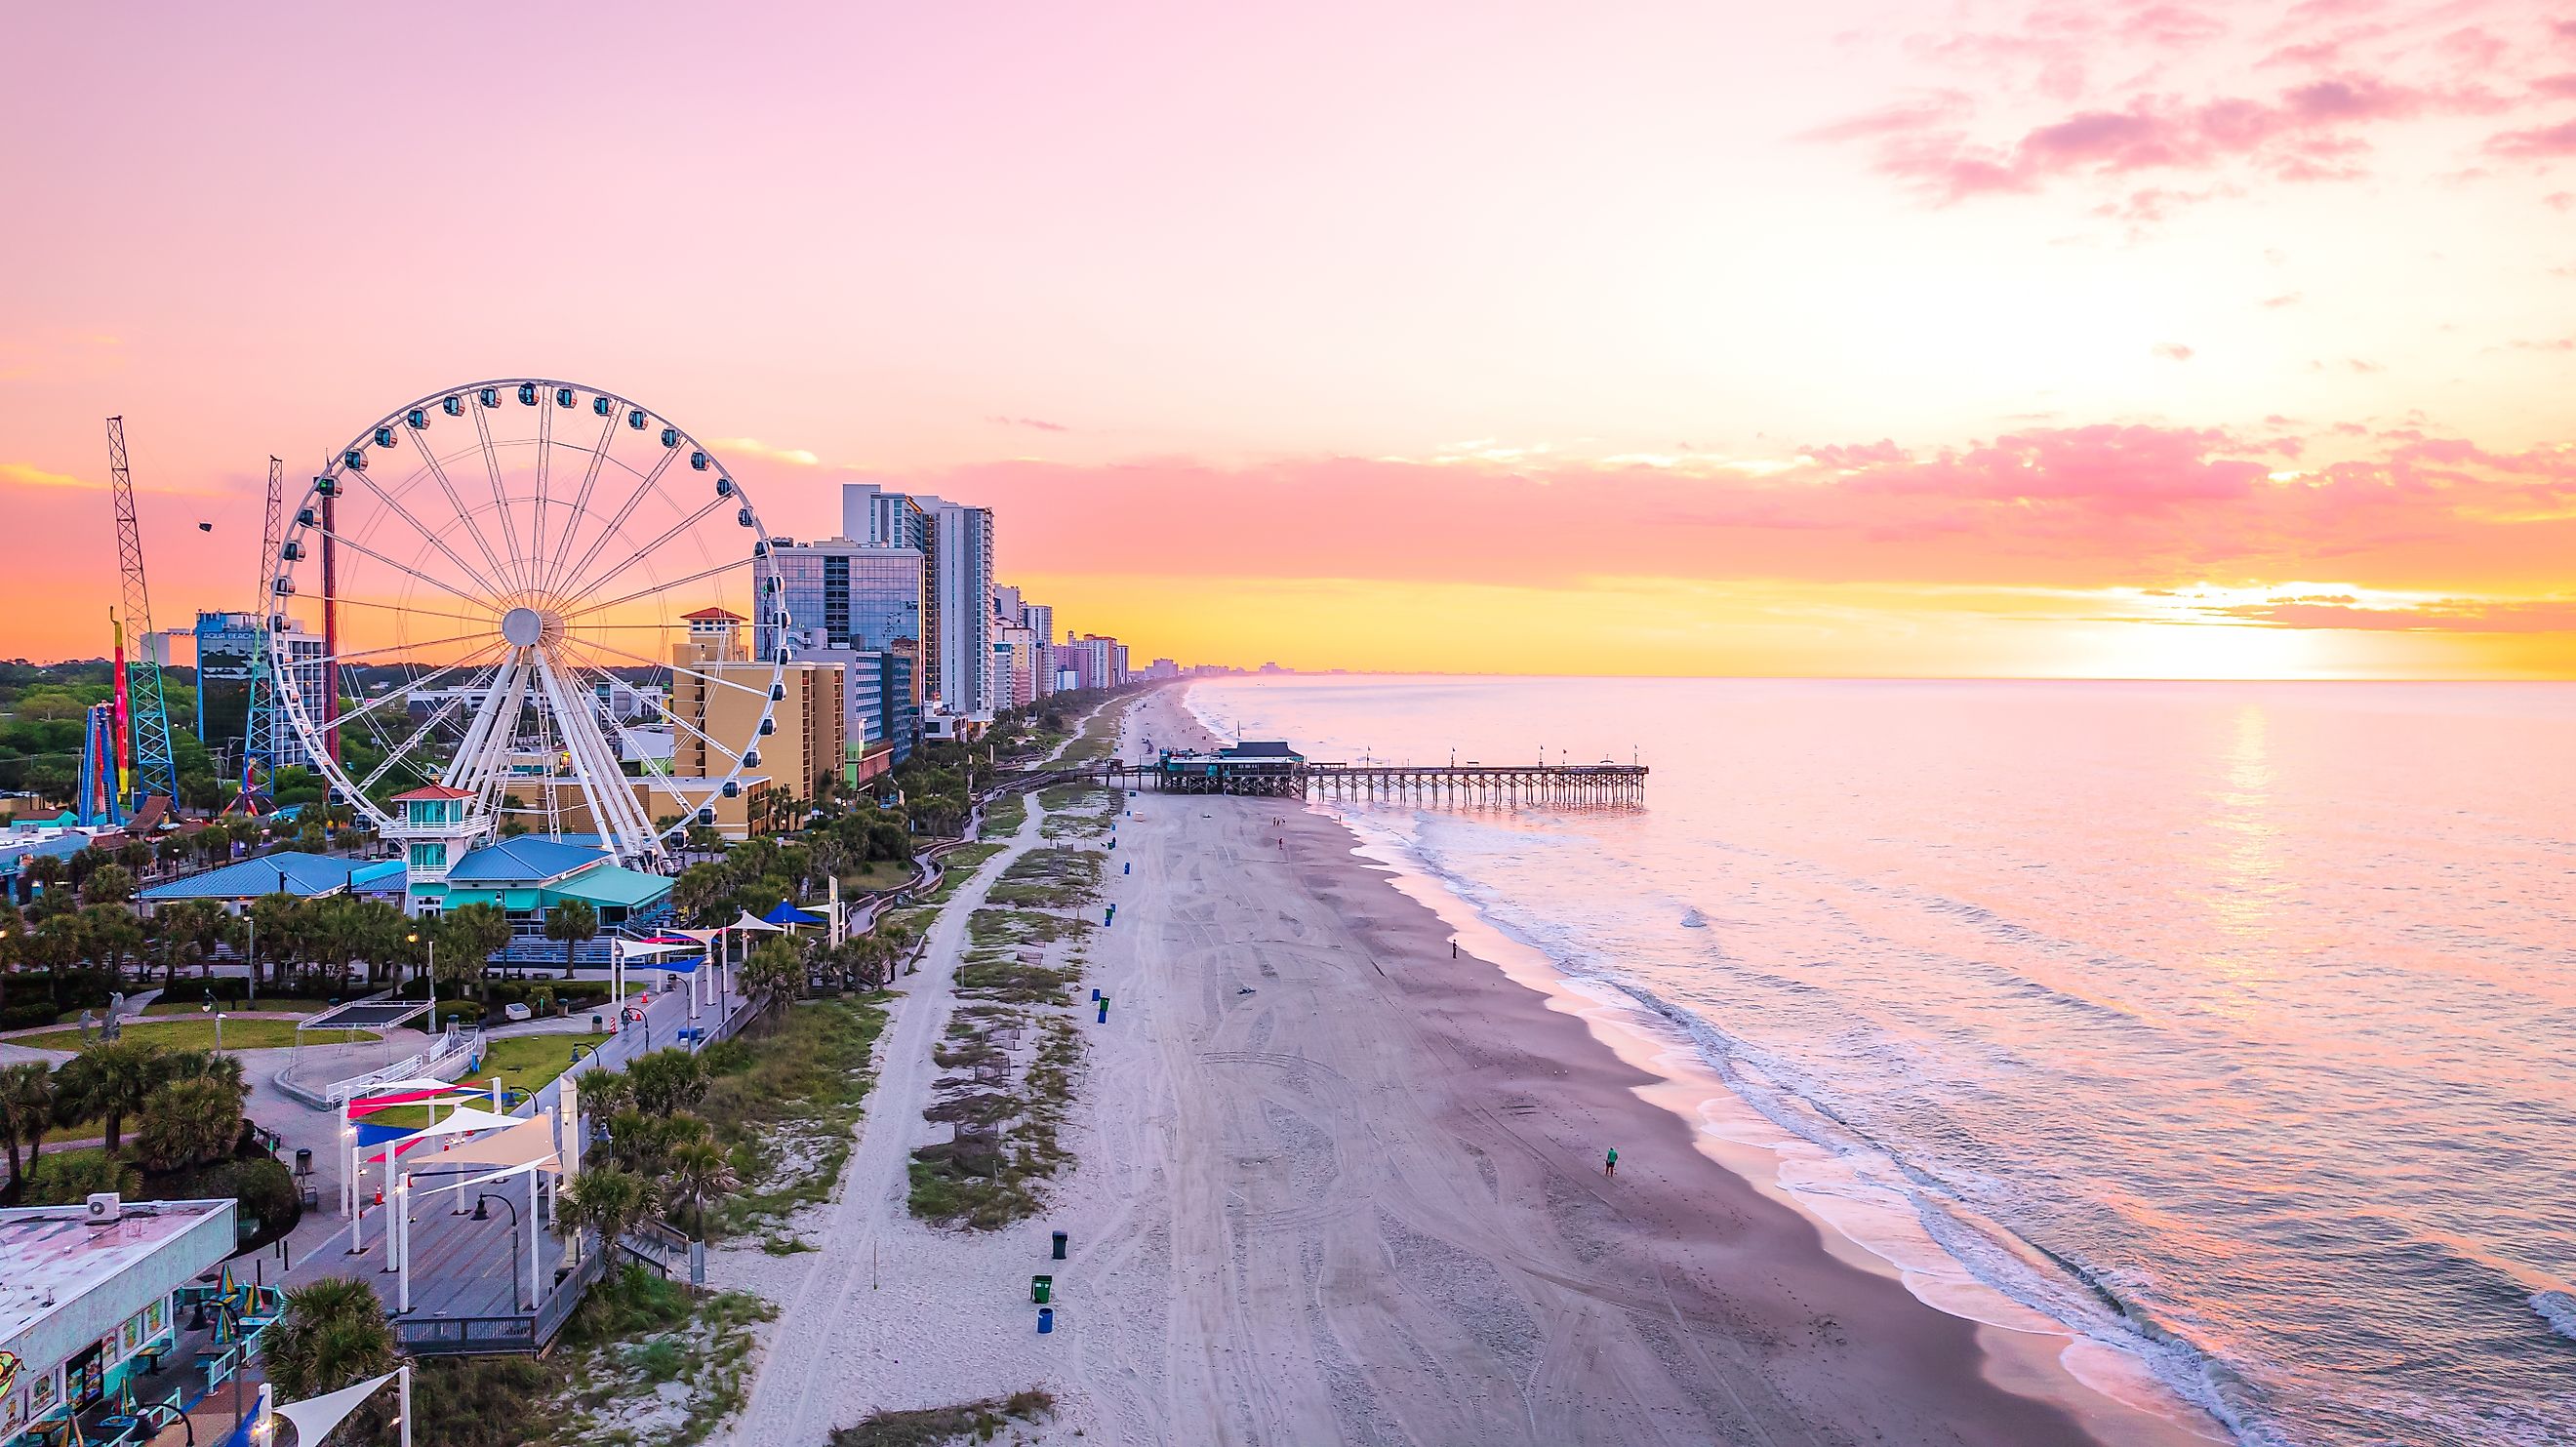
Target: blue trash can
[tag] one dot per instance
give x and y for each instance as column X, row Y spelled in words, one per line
column 1046, row 1320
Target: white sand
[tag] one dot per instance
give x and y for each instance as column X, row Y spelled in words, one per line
column 1336, row 1187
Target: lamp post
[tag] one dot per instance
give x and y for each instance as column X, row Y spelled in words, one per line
column 414, row 938
column 483, row 1212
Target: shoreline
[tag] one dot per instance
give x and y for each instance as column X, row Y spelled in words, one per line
column 2107, row 1388
column 1754, row 1320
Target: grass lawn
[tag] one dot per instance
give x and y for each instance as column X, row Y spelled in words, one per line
column 79, row 1130
column 197, row 1032
column 524, row 1062
column 189, row 998
column 877, row 874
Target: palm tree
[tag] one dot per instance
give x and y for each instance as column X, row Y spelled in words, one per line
column 108, row 884
column 13, row 943
column 188, row 1121
column 698, row 1172
column 57, row 945
column 111, row 932
column 26, row 1109
column 575, row 922
column 775, row 966
column 47, row 870
column 332, row 1335
column 110, row 1081
column 605, row 1199
column 473, row 933
column 135, row 855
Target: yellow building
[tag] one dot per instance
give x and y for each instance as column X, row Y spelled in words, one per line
column 720, row 698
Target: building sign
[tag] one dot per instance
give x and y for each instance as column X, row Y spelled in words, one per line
column 8, row 1373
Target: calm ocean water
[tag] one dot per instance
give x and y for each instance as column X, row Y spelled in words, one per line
column 2232, row 1024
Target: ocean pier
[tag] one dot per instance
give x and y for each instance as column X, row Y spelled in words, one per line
column 1273, row 770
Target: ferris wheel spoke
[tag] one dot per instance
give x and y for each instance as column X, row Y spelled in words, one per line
column 676, row 668
column 371, row 705
column 545, row 461
column 438, row 716
column 641, row 594
column 344, row 600
column 643, row 490
column 421, row 528
column 456, row 500
column 586, row 585
column 701, row 734
column 345, row 655
column 553, row 571
column 500, row 498
column 358, row 547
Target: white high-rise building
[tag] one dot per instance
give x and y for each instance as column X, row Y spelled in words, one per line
column 956, row 542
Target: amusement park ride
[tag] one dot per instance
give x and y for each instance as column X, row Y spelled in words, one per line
column 512, row 583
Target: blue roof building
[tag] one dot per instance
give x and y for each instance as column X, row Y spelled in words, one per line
column 306, row 876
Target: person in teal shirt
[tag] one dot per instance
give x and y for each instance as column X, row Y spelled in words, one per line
column 1610, row 1167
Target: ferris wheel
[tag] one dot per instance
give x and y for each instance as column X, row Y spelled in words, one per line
column 535, row 594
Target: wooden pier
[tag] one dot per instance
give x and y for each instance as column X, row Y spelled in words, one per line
column 1559, row 786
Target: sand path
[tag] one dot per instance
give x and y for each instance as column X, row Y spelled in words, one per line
column 800, row 1384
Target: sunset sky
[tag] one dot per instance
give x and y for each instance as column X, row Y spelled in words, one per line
column 2082, row 339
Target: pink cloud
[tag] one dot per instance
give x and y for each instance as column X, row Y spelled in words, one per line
column 2542, row 143
column 2275, row 303
column 2092, row 506
column 2557, row 85
column 2173, row 351
column 2308, row 132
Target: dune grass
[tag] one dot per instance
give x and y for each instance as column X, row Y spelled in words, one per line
column 197, row 1032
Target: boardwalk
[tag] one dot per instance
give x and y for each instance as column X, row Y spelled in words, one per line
column 1612, row 786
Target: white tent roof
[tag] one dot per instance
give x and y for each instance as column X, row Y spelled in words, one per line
column 640, row 950
column 753, row 921
column 463, row 1119
column 526, row 1143
column 314, row 1417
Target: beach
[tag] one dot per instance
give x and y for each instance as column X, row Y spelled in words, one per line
column 1337, row 1181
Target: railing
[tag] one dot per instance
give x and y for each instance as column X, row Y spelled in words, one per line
column 558, row 1306
column 455, row 1045
column 452, row 1336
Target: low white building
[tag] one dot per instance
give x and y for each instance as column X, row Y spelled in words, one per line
column 86, row 1299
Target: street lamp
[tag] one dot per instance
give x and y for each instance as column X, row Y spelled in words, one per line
column 414, row 938
column 483, row 1212
column 208, row 1008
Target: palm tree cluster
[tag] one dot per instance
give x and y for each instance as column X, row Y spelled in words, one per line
column 659, row 1149
column 187, row 1105
column 867, row 961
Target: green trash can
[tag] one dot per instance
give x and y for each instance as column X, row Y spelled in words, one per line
column 1041, row 1289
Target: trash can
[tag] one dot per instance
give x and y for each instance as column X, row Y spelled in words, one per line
column 1041, row 1288
column 595, row 1024
column 1046, row 1320
column 1059, row 1245
column 303, row 1160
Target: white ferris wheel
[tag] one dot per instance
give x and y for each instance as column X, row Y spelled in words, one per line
column 530, row 592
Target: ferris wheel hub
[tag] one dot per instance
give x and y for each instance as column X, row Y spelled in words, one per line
column 526, row 627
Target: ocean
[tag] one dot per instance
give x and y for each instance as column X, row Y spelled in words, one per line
column 2231, row 1026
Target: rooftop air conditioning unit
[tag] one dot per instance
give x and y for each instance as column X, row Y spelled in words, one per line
column 106, row 1208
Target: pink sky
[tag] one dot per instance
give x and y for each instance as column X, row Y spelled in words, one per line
column 2055, row 339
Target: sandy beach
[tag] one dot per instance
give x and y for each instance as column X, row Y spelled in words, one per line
column 1335, row 1185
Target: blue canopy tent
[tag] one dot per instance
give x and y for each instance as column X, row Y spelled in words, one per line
column 786, row 913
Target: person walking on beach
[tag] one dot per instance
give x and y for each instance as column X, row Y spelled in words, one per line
column 1610, row 1167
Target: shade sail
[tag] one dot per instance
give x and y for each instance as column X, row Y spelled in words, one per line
column 314, row 1417
column 529, row 1142
column 785, row 913
column 752, row 922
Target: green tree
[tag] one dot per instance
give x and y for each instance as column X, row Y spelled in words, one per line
column 332, row 1335
column 605, row 1199
column 187, row 1123
column 111, row 932
column 26, row 1111
column 574, row 922
column 668, row 1080
column 13, row 943
column 777, row 965
column 110, row 1081
column 698, row 1172
column 46, row 871
column 108, row 884
column 468, row 936
column 57, row 943
column 135, row 856
column 73, row 1178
